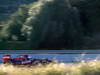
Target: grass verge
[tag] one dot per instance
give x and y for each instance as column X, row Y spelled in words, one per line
column 83, row 68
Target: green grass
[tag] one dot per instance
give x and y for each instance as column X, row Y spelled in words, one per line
column 84, row 68
column 14, row 45
column 18, row 45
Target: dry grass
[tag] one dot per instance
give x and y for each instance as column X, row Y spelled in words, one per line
column 83, row 68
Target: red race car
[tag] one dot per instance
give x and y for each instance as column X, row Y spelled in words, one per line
column 24, row 60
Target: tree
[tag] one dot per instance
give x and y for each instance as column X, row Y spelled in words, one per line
column 16, row 22
column 90, row 15
column 53, row 24
column 56, row 25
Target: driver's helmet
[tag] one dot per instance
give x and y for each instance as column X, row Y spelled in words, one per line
column 29, row 57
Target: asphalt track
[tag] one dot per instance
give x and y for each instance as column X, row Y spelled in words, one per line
column 49, row 51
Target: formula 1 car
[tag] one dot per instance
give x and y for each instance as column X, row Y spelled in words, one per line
column 24, row 60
